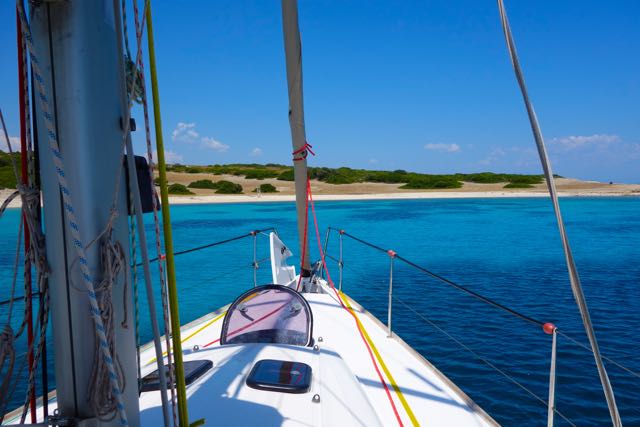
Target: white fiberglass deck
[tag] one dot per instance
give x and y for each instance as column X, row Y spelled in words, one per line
column 350, row 390
column 343, row 376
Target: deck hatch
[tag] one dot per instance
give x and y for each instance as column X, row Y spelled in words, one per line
column 193, row 369
column 271, row 314
column 281, row 376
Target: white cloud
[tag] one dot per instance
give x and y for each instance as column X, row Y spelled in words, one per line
column 214, row 144
column 373, row 161
column 15, row 143
column 446, row 148
column 170, row 157
column 493, row 156
column 185, row 132
column 572, row 142
column 256, row 152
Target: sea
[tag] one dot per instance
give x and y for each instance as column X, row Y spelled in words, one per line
column 506, row 249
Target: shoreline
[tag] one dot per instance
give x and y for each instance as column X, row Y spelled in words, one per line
column 275, row 198
column 197, row 199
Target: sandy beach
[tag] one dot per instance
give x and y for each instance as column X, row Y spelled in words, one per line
column 376, row 191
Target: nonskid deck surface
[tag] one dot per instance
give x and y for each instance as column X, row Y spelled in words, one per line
column 344, row 377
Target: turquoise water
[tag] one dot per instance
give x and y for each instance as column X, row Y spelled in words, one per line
column 506, row 249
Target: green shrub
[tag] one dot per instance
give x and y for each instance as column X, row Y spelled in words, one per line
column 7, row 177
column 260, row 174
column 266, row 188
column 524, row 179
column 177, row 167
column 203, row 183
column 179, row 189
column 227, row 187
column 429, row 182
column 517, row 185
column 286, row 175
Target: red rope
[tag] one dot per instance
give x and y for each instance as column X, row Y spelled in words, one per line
column 364, row 341
column 271, row 313
column 25, row 180
column 304, row 239
column 303, row 151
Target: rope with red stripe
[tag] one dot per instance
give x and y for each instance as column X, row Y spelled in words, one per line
column 303, row 152
column 358, row 325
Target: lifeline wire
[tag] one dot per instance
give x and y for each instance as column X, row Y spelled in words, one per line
column 480, row 297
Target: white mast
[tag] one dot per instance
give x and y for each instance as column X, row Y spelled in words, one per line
column 293, row 53
column 77, row 51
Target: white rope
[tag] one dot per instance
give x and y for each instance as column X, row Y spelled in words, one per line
column 574, row 278
column 36, row 254
column 113, row 262
column 74, row 227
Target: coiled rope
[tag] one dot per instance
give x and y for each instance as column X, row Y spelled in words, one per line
column 35, row 254
column 113, row 261
column 74, row 227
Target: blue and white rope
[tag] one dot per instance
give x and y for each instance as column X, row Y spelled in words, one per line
column 74, row 228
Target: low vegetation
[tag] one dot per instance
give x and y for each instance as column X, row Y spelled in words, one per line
column 409, row 180
column 228, row 187
column 179, row 189
column 338, row 176
column 517, row 185
column 204, row 183
column 266, row 188
column 7, row 176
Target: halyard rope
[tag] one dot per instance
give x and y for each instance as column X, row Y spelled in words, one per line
column 113, row 262
column 139, row 25
column 36, row 254
column 74, row 228
column 357, row 321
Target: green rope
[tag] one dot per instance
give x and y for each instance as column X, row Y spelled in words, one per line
column 168, row 238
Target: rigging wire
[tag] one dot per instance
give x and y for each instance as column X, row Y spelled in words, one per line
column 210, row 245
column 481, row 358
column 139, row 65
column 574, row 278
column 481, row 298
column 447, row 281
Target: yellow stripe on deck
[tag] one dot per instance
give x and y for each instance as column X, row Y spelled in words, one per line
column 200, row 329
column 392, row 381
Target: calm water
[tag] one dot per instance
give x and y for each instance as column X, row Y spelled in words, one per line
column 507, row 249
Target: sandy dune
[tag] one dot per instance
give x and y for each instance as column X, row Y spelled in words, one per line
column 322, row 191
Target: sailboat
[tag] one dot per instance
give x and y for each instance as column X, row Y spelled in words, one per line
column 297, row 351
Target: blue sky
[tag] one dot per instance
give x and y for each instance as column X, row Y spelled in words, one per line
column 419, row 85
